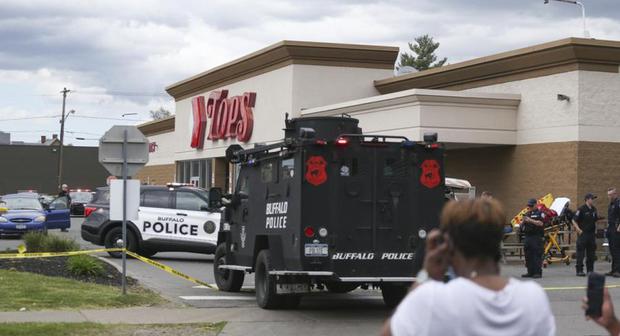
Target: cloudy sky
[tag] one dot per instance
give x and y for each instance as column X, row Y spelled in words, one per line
column 117, row 56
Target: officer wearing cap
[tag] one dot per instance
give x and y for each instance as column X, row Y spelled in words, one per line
column 584, row 223
column 613, row 235
column 533, row 229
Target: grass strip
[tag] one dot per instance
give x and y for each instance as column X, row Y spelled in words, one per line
column 97, row 329
column 37, row 292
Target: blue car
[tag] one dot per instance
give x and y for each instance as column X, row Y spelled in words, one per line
column 20, row 213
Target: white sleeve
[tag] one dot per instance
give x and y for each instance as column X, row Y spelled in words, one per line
column 413, row 315
column 546, row 322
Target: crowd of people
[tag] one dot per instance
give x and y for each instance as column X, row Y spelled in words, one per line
column 477, row 299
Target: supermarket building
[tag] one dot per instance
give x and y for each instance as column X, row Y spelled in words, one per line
column 522, row 123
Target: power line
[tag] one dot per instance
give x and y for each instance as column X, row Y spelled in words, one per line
column 33, row 117
column 106, row 118
column 121, row 93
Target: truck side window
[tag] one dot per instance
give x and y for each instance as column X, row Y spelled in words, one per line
column 266, row 172
column 244, row 186
column 288, row 168
column 190, row 201
column 156, row 199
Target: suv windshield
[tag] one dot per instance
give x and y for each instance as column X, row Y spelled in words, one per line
column 21, row 203
column 81, row 196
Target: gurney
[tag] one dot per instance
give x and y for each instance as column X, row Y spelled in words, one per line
column 556, row 233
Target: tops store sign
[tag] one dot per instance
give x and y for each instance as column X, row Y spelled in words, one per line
column 230, row 118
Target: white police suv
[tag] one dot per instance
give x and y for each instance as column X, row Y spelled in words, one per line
column 174, row 217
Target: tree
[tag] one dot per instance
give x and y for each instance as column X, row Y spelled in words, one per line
column 423, row 55
column 160, row 113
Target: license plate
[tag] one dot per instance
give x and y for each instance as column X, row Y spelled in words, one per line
column 293, row 288
column 315, row 250
column 20, row 226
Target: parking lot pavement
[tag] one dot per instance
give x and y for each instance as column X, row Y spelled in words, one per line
column 358, row 313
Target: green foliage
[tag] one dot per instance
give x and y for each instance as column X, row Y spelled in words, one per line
column 160, row 113
column 39, row 292
column 41, row 242
column 423, row 56
column 84, row 265
column 56, row 243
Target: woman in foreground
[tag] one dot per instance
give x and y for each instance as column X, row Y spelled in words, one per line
column 479, row 301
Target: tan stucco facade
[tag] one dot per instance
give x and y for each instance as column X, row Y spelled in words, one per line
column 501, row 117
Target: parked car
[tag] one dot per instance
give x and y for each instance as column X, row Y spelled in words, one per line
column 79, row 198
column 21, row 213
column 171, row 218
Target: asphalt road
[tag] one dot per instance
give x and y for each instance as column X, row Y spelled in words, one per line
column 358, row 313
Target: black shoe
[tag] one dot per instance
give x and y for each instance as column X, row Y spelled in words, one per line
column 610, row 273
column 536, row 276
column 526, row 275
column 581, row 274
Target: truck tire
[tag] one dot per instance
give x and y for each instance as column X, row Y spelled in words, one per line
column 114, row 235
column 393, row 294
column 226, row 280
column 341, row 287
column 265, row 284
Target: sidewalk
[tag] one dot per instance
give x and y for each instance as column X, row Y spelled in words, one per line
column 240, row 321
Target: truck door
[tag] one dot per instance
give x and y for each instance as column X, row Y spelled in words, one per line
column 376, row 196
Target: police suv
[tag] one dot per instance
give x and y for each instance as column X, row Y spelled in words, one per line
column 174, row 217
column 329, row 208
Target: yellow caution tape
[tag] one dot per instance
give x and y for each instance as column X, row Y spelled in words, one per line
column 170, row 270
column 22, row 255
column 54, row 254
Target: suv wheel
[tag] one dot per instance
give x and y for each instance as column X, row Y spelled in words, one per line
column 226, row 280
column 393, row 294
column 114, row 236
column 266, row 295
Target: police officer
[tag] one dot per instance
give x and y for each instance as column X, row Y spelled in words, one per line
column 613, row 236
column 584, row 223
column 533, row 229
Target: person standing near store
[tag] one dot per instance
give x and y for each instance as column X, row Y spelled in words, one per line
column 613, row 236
column 533, row 229
column 584, row 223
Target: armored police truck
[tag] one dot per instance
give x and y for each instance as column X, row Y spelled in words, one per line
column 329, row 208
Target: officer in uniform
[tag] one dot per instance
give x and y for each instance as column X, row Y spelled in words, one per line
column 533, row 230
column 613, row 235
column 584, row 223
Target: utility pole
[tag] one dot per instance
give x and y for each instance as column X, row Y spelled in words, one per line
column 62, row 135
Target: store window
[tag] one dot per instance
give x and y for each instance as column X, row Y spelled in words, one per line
column 195, row 172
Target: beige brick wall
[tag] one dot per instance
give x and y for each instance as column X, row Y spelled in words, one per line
column 599, row 169
column 159, row 174
column 515, row 173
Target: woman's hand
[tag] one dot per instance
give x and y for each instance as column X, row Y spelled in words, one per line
column 608, row 318
column 437, row 256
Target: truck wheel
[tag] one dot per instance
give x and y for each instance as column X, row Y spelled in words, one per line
column 393, row 294
column 226, row 280
column 116, row 234
column 265, row 284
column 341, row 287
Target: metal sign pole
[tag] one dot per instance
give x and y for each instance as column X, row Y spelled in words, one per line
column 124, row 282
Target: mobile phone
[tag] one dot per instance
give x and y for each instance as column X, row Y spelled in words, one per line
column 596, row 284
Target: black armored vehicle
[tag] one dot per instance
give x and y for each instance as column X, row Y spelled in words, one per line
column 329, row 208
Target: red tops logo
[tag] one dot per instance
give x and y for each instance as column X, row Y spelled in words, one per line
column 230, row 117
